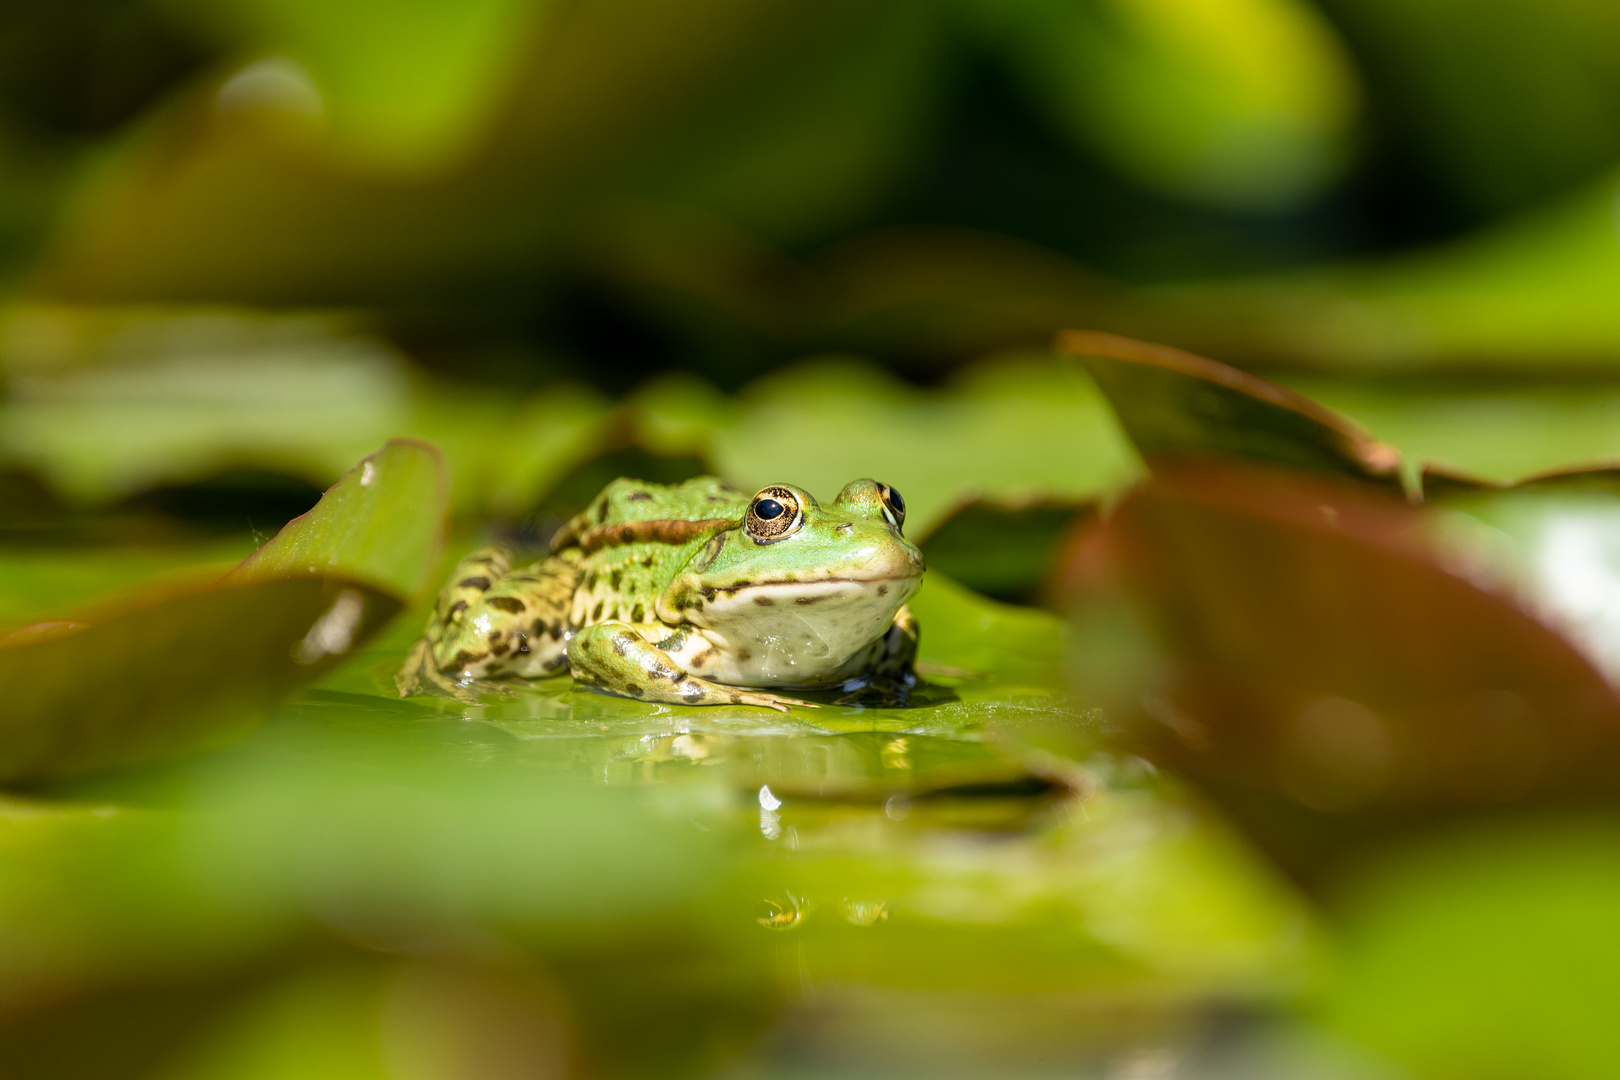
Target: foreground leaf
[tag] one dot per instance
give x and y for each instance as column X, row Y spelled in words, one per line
column 382, row 524
column 171, row 677
column 1320, row 659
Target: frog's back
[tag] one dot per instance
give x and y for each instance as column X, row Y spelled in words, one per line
column 697, row 506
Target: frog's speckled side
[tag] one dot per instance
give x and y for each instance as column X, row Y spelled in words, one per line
column 686, row 593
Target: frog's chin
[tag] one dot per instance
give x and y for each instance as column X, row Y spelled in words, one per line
column 801, row 633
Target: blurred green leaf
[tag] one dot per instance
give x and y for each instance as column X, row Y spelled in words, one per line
column 107, row 402
column 382, row 524
column 185, row 672
column 1530, row 292
column 1498, row 433
column 1501, row 103
column 1486, row 953
column 1243, row 104
column 1011, row 428
column 405, row 88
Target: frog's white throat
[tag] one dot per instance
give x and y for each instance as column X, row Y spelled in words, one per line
column 799, row 633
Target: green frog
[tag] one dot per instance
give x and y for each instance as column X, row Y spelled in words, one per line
column 692, row 594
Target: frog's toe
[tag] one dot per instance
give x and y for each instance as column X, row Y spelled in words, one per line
column 772, row 701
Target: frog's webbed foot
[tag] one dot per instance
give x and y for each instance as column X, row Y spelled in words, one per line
column 881, row 691
column 421, row 675
column 613, row 657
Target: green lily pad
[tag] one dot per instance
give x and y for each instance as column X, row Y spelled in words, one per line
column 382, row 524
column 189, row 671
column 193, row 663
column 1013, row 428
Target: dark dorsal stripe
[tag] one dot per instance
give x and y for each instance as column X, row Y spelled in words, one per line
column 650, row 532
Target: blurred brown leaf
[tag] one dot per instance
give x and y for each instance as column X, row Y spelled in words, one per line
column 1315, row 658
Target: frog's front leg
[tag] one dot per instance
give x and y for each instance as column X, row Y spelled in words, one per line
column 611, row 655
column 891, row 673
column 898, row 660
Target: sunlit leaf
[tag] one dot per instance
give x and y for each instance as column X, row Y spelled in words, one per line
column 107, row 402
column 382, row 524
column 1011, row 428
column 1247, row 104
column 1497, row 433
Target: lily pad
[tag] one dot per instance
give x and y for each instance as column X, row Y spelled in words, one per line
column 1319, row 652
column 187, row 672
column 382, row 524
column 196, row 662
column 1172, row 403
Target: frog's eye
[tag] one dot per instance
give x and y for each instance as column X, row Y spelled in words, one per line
column 773, row 515
column 894, row 507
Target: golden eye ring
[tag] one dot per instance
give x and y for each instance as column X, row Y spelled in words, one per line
column 894, row 507
column 775, row 514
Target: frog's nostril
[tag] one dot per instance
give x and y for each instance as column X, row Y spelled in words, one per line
column 845, row 529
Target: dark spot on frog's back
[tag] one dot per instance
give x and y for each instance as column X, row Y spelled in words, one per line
column 636, row 613
column 590, row 583
column 509, row 604
column 602, row 512
column 597, row 614
column 479, row 583
column 616, row 577
column 463, row 658
column 639, row 496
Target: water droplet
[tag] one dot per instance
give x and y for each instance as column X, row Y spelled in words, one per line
column 779, row 912
column 863, row 912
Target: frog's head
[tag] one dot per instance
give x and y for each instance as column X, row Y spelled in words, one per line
column 811, row 581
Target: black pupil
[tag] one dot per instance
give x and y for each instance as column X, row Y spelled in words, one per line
column 897, row 502
column 768, row 509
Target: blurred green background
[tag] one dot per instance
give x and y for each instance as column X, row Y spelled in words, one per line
column 1298, row 760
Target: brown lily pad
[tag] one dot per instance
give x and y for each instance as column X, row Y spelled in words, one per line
column 1175, row 404
column 1314, row 654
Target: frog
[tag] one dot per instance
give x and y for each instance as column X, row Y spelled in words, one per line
column 689, row 594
